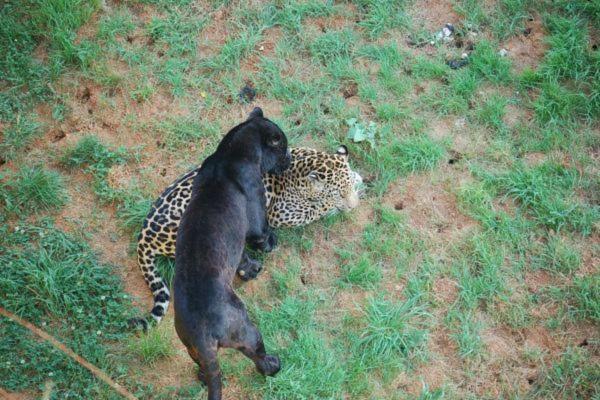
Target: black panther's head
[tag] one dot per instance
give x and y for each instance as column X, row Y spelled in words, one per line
column 276, row 156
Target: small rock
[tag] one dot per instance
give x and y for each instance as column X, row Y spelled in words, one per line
column 446, row 33
column 261, row 48
column 503, row 53
column 464, row 55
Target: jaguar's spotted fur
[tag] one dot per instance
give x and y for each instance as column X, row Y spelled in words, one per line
column 316, row 184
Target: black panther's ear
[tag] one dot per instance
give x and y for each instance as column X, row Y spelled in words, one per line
column 257, row 112
column 342, row 151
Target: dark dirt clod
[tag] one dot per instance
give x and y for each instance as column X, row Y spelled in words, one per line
column 163, row 172
column 415, row 43
column 350, row 91
column 399, row 205
column 457, row 63
column 86, row 94
column 247, row 93
column 584, row 343
column 58, row 135
column 527, row 31
column 455, row 157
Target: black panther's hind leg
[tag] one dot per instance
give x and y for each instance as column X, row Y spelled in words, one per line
column 249, row 341
column 266, row 364
column 209, row 371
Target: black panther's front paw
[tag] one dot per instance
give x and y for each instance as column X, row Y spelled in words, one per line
column 269, row 365
column 249, row 269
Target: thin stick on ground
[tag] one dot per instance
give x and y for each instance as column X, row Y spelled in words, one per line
column 90, row 367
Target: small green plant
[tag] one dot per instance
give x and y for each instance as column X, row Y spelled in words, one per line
column 178, row 31
column 491, row 113
column 91, row 153
column 18, row 135
column 33, row 189
column 393, row 333
column 380, row 16
column 362, row 272
column 358, row 132
column 546, row 190
column 332, row 45
column 488, row 64
column 557, row 255
column 233, row 51
column 580, row 298
column 417, row 153
column 468, row 335
column 133, row 212
column 154, row 344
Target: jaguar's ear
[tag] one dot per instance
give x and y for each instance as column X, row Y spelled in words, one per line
column 342, row 151
column 257, row 112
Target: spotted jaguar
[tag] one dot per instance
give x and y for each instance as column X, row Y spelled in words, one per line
column 315, row 185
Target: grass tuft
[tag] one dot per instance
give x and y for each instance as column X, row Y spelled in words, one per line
column 33, row 189
column 153, row 345
column 393, row 333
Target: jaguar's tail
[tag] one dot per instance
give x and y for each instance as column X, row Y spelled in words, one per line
column 160, row 291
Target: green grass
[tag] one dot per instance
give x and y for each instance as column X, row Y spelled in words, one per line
column 55, row 281
column 580, row 298
column 572, row 376
column 181, row 131
column 558, row 255
column 153, row 345
column 95, row 158
column 546, row 192
column 392, row 330
column 492, row 112
column 54, row 22
column 18, row 135
column 33, row 189
column 377, row 17
column 489, row 65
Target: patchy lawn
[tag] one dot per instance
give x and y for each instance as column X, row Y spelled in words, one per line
column 469, row 271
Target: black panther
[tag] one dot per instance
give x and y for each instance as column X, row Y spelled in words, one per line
column 227, row 210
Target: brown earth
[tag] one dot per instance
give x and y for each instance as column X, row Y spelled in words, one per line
column 527, row 48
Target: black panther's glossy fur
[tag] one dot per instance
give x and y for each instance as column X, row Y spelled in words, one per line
column 227, row 210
